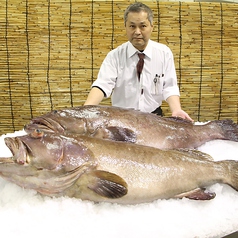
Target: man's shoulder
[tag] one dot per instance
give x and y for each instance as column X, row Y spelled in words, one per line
column 121, row 47
column 158, row 46
column 119, row 50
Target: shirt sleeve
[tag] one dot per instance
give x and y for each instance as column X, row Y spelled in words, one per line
column 107, row 75
column 170, row 84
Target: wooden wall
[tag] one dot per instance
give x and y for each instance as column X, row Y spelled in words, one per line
column 51, row 51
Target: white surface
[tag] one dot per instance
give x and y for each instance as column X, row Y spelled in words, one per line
column 24, row 213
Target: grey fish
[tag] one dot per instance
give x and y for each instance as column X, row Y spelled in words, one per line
column 107, row 171
column 133, row 126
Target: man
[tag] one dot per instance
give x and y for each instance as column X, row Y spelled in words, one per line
column 130, row 87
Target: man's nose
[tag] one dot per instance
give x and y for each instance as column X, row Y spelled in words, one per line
column 137, row 30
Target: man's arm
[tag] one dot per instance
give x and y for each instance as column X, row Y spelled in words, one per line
column 175, row 108
column 95, row 96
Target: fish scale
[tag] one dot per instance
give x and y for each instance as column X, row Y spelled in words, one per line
column 128, row 125
column 107, row 171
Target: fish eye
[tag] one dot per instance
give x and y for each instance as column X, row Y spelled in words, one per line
column 37, row 133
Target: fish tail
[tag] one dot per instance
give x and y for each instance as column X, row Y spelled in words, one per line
column 229, row 129
column 232, row 173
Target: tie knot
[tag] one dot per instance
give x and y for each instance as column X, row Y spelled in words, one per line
column 141, row 55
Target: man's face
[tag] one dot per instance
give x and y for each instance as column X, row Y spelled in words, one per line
column 138, row 29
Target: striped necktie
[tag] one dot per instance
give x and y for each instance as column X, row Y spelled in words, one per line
column 140, row 64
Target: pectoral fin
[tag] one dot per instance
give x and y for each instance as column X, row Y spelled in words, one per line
column 117, row 134
column 197, row 194
column 107, row 184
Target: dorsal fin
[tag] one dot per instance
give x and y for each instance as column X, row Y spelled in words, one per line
column 199, row 155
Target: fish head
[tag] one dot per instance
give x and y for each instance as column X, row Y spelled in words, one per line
column 48, row 150
column 46, row 162
column 60, row 121
column 84, row 120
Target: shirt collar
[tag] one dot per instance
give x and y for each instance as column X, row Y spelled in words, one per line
column 132, row 50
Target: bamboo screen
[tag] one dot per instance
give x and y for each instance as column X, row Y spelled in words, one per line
column 51, row 51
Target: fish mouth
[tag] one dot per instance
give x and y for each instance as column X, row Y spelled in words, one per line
column 19, row 149
column 44, row 124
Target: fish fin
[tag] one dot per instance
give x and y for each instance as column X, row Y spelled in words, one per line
column 6, row 160
column 197, row 194
column 178, row 119
column 47, row 182
column 228, row 127
column 107, row 184
column 116, row 133
column 199, row 155
column 231, row 173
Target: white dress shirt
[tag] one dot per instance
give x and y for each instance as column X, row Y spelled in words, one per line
column 158, row 80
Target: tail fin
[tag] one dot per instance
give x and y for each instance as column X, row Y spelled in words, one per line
column 229, row 129
column 232, row 180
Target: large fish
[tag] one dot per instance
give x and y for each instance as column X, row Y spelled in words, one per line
column 107, row 171
column 129, row 125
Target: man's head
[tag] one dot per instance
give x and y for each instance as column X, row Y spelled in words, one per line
column 138, row 19
column 138, row 7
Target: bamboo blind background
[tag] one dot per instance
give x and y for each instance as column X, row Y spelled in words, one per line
column 51, row 51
